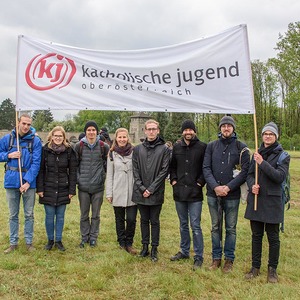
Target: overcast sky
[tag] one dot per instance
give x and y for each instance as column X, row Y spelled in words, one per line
column 136, row 24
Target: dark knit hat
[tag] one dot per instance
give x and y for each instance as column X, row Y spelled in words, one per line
column 271, row 127
column 188, row 124
column 227, row 120
column 91, row 124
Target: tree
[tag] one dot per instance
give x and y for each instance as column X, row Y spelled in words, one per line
column 109, row 119
column 8, row 114
column 41, row 119
column 287, row 66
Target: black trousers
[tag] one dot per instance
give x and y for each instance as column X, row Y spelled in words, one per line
column 272, row 230
column 150, row 217
column 125, row 224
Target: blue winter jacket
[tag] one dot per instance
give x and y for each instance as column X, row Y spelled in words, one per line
column 30, row 159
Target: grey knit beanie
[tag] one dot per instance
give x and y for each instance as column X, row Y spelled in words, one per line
column 227, row 120
column 271, row 127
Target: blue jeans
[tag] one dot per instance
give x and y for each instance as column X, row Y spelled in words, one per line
column 13, row 197
column 230, row 210
column 54, row 219
column 185, row 211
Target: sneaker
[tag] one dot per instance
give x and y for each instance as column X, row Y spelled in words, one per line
column 228, row 266
column 11, row 248
column 216, row 264
column 30, row 248
column 197, row 264
column 272, row 275
column 93, row 243
column 81, row 245
column 254, row 272
column 131, row 250
column 49, row 245
column 179, row 256
column 59, row 245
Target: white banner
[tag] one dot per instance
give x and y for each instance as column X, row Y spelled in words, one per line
column 210, row 75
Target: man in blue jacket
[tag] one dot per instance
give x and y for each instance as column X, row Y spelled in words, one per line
column 223, row 189
column 28, row 157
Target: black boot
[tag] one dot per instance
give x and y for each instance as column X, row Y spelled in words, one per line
column 49, row 245
column 154, row 257
column 145, row 251
column 59, row 245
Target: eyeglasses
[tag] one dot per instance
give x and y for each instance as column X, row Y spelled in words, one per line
column 151, row 129
column 58, row 136
column 268, row 134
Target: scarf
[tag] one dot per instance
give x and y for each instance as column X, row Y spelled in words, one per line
column 124, row 151
column 265, row 152
column 58, row 148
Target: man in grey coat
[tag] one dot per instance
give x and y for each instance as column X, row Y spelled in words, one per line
column 92, row 154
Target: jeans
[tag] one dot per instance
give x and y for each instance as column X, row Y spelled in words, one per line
column 185, row 211
column 150, row 215
column 230, row 208
column 272, row 231
column 13, row 197
column 89, row 227
column 125, row 224
column 54, row 219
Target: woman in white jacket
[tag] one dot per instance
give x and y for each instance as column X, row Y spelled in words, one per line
column 119, row 185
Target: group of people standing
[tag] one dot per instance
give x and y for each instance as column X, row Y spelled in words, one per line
column 135, row 181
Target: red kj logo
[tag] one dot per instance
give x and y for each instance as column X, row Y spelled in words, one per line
column 49, row 71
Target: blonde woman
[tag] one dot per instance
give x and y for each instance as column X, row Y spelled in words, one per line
column 56, row 183
column 119, row 185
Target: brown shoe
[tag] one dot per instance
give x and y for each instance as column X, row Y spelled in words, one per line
column 272, row 275
column 131, row 250
column 254, row 272
column 216, row 264
column 11, row 248
column 228, row 266
column 30, row 248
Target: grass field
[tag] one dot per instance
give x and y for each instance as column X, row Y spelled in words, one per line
column 106, row 272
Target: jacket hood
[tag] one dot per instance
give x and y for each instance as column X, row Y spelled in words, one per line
column 28, row 136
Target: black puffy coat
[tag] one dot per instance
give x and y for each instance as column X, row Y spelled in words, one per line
column 269, row 200
column 150, row 164
column 57, row 176
column 186, row 169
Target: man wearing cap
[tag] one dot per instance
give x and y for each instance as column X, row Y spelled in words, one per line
column 187, row 179
column 223, row 190
column 91, row 177
column 269, row 213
